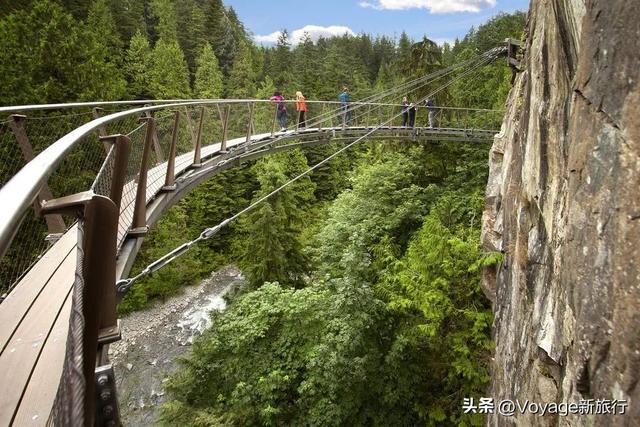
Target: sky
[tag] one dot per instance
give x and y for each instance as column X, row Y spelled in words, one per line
column 440, row 20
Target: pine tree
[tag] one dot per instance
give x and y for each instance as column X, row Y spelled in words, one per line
column 137, row 66
column 168, row 75
column 274, row 252
column 208, row 83
column 102, row 23
column 165, row 12
column 240, row 84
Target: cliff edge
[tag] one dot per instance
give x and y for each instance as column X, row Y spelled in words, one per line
column 563, row 204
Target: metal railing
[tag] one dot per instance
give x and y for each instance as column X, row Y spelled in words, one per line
column 34, row 169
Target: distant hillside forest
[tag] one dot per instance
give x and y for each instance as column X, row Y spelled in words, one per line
column 362, row 304
column 82, row 50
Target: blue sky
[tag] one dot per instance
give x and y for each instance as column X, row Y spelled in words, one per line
column 440, row 20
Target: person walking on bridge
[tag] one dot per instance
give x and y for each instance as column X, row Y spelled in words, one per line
column 345, row 99
column 405, row 111
column 281, row 113
column 301, row 107
column 432, row 112
column 412, row 114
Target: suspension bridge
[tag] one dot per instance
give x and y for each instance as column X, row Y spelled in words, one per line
column 82, row 183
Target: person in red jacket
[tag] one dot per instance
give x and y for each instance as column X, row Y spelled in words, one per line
column 301, row 106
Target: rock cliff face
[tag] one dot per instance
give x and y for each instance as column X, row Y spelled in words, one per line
column 563, row 204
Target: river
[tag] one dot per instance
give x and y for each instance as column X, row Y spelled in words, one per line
column 153, row 339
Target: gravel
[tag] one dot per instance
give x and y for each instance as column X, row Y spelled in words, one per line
column 153, row 339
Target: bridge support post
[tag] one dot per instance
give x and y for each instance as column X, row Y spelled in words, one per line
column 156, row 144
column 225, row 128
column 197, row 151
column 55, row 223
column 93, row 322
column 170, row 176
column 275, row 120
column 249, row 126
column 139, row 225
column 96, row 113
column 120, row 163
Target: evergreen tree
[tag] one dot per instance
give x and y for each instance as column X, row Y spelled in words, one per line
column 165, row 13
column 130, row 17
column 66, row 60
column 307, row 77
column 137, row 66
column 281, row 66
column 208, row 83
column 274, row 252
column 240, row 83
column 168, row 75
column 102, row 23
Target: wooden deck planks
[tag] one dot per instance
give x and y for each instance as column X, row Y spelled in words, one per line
column 38, row 398
column 18, row 302
column 22, row 353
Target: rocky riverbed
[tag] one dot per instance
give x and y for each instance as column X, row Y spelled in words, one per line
column 153, row 339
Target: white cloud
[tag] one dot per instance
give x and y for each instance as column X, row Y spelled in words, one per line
column 269, row 38
column 434, row 6
column 314, row 31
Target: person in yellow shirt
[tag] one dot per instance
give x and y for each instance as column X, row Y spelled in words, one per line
column 301, row 106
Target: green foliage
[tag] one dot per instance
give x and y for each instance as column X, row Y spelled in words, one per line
column 168, row 76
column 272, row 251
column 240, row 84
column 137, row 65
column 208, row 84
column 165, row 13
column 434, row 293
column 275, row 358
column 47, row 56
column 383, row 201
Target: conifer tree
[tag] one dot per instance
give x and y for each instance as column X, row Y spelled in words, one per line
column 65, row 59
column 169, row 75
column 274, row 252
column 281, row 66
column 165, row 12
column 137, row 65
column 208, row 83
column 102, row 23
column 240, row 83
column 307, row 76
column 130, row 18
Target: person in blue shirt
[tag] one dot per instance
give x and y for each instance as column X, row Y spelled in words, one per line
column 345, row 99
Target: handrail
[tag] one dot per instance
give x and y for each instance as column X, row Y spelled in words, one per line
column 22, row 189
column 17, row 195
column 41, row 107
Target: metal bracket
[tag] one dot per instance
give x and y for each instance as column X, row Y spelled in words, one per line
column 53, row 238
column 110, row 335
column 514, row 56
column 107, row 410
column 139, row 231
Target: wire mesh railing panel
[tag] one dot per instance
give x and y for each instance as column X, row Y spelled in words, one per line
column 162, row 146
column 29, row 244
column 127, row 205
column 11, row 159
column 102, row 183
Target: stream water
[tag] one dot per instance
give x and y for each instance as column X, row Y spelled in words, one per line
column 153, row 339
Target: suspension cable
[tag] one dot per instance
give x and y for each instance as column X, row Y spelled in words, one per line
column 124, row 285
